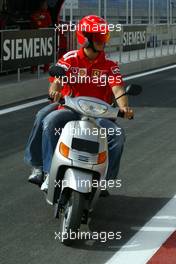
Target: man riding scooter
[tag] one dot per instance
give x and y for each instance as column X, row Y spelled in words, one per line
column 88, row 61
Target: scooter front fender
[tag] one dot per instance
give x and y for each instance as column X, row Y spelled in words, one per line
column 78, row 180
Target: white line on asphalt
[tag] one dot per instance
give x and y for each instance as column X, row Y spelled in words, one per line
column 23, row 106
column 144, row 244
column 150, row 72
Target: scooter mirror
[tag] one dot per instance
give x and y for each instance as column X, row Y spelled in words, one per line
column 133, row 89
column 56, row 71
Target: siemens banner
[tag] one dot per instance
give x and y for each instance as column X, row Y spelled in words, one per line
column 27, row 48
column 134, row 37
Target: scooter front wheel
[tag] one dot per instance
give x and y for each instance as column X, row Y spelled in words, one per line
column 70, row 218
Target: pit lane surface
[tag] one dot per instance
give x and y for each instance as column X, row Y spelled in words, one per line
column 27, row 226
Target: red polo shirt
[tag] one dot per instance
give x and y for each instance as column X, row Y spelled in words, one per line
column 90, row 78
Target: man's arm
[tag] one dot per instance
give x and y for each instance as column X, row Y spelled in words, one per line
column 122, row 101
column 62, row 69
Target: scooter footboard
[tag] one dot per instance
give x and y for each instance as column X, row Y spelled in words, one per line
column 78, row 180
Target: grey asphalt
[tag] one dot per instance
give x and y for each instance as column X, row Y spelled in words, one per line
column 14, row 92
column 147, row 171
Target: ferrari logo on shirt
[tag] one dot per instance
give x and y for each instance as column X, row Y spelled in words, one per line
column 82, row 71
column 96, row 73
column 115, row 69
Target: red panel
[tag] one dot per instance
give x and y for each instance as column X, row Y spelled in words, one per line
column 167, row 252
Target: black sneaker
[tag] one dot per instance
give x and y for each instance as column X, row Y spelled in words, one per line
column 36, row 177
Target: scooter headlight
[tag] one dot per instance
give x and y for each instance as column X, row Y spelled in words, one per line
column 92, row 108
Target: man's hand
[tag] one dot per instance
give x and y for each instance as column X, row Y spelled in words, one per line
column 55, row 91
column 123, row 102
column 55, row 95
column 128, row 112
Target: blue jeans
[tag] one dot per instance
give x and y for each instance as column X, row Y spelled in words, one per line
column 33, row 150
column 44, row 137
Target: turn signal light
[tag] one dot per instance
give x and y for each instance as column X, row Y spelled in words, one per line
column 64, row 150
column 101, row 157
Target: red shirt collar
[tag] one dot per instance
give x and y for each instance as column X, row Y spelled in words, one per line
column 100, row 57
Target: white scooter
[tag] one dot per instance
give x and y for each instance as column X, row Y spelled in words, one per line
column 80, row 163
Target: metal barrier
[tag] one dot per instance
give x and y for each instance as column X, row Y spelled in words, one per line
column 158, row 40
column 75, row 9
column 122, row 11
